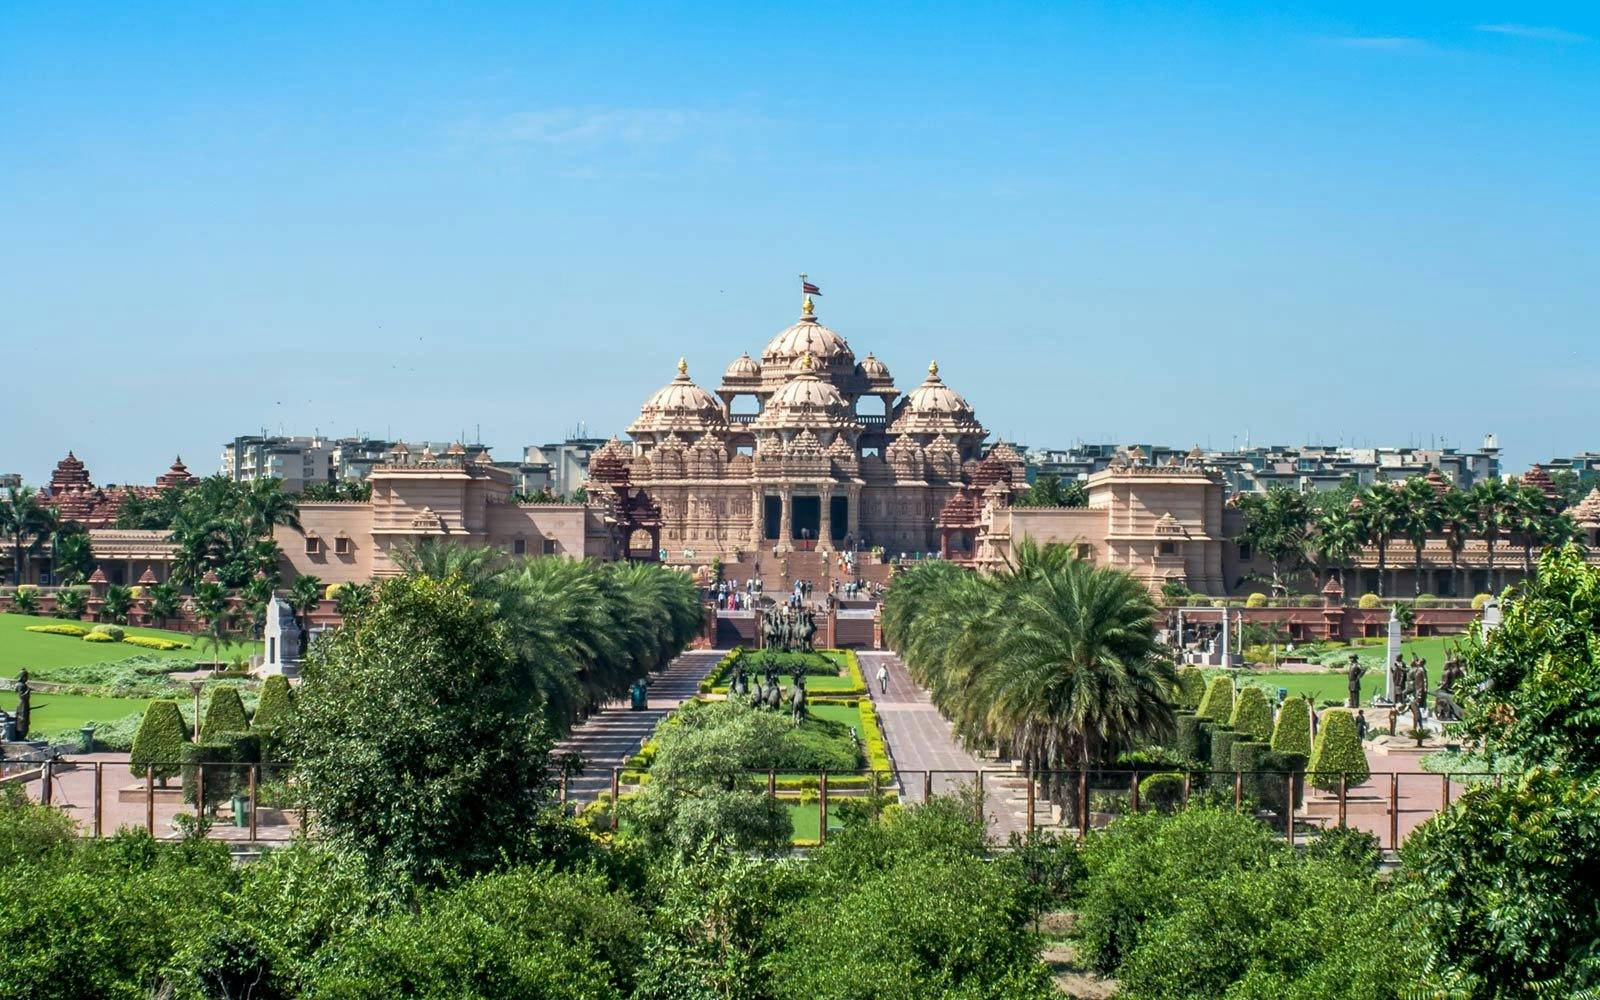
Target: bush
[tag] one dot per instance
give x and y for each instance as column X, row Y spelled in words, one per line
column 1162, row 792
column 1219, row 602
column 1194, row 739
column 331, row 591
column 1222, row 741
column 1217, row 705
column 1426, row 601
column 1252, row 713
column 1368, row 602
column 1256, row 600
column 1191, row 687
column 225, row 761
column 1292, row 733
column 1337, row 750
column 59, row 628
column 154, row 642
column 159, row 742
column 1310, row 600
column 98, row 637
column 224, row 714
column 1138, row 869
column 114, row 631
column 1479, row 600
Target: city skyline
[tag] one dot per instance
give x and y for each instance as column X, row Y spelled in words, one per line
column 1138, row 223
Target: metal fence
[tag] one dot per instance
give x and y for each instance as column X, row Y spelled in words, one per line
column 251, row 803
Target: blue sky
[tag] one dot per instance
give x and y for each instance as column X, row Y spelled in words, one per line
column 1183, row 223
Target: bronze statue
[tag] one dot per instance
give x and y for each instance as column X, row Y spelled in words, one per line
column 24, row 713
column 1445, row 708
column 1419, row 681
column 1397, row 678
column 1353, row 674
column 797, row 702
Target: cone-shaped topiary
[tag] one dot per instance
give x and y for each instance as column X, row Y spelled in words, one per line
column 1292, row 734
column 277, row 701
column 1337, row 750
column 159, row 743
column 1222, row 741
column 1191, row 687
column 1252, row 713
column 224, row 714
column 1217, row 705
column 1194, row 739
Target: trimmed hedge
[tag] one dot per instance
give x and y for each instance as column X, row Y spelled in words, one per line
column 1268, row 776
column 1162, row 791
column 154, row 642
column 872, row 744
column 76, row 631
column 1222, row 741
column 224, row 714
column 1368, row 602
column 160, row 741
column 114, row 631
column 1217, row 705
column 1337, row 750
column 1194, row 739
column 225, row 762
column 98, row 637
column 273, row 710
column 1256, row 600
column 1252, row 713
column 1292, row 734
column 1191, row 687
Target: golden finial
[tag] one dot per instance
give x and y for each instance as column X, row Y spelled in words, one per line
column 807, row 361
column 933, row 369
column 806, row 308
column 683, row 367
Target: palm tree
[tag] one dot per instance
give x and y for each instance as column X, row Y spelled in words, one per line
column 1338, row 539
column 351, row 599
column 216, row 614
column 1456, row 523
column 1491, row 501
column 264, row 506
column 1418, row 519
column 71, row 555
column 118, row 600
column 1379, row 514
column 165, row 602
column 305, row 595
column 71, row 602
column 1277, row 525
column 27, row 523
column 25, row 601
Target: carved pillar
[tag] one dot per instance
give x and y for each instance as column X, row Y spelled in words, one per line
column 854, row 516
column 786, row 520
column 825, row 523
column 758, row 517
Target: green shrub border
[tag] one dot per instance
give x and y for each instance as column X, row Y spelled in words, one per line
column 716, row 681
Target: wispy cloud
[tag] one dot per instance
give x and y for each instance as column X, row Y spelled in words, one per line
column 1534, row 31
column 1391, row 43
column 590, row 126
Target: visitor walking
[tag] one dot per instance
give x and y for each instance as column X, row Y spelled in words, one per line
column 883, row 678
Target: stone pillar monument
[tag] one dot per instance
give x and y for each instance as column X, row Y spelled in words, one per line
column 282, row 638
column 1391, row 650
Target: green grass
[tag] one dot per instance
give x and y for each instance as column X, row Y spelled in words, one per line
column 1328, row 686
column 36, row 650
column 66, row 713
column 846, row 714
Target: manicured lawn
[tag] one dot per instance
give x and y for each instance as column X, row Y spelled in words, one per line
column 846, row 714
column 20, row 648
column 63, row 713
column 1330, row 686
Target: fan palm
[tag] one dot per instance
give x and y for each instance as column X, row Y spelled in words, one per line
column 1379, row 514
column 1491, row 504
column 71, row 555
column 1455, row 522
column 305, row 594
column 1337, row 540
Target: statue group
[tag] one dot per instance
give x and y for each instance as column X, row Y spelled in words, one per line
column 788, row 629
column 765, row 692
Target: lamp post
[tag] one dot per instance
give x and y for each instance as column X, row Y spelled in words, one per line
column 195, row 685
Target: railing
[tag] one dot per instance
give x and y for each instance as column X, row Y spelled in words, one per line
column 250, row 803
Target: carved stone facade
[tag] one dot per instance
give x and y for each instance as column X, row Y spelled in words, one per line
column 807, row 448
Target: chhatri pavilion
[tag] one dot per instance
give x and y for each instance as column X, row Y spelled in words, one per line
column 810, row 447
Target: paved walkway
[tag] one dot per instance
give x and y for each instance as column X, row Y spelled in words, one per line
column 924, row 747
column 614, row 734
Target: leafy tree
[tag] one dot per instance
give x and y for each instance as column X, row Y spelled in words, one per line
column 1049, row 491
column 26, row 522
column 165, row 602
column 1277, row 524
column 159, row 742
column 417, row 743
column 305, row 596
column 345, row 490
column 351, row 599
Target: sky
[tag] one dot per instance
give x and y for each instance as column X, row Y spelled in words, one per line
column 1367, row 223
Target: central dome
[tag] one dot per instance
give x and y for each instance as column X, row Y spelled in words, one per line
column 807, row 337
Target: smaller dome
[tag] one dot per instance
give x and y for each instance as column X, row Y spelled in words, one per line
column 873, row 369
column 933, row 396
column 805, row 389
column 744, row 366
column 682, row 395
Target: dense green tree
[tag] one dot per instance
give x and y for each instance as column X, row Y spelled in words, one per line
column 1049, row 491
column 350, row 599
column 72, row 602
column 165, row 602
column 117, row 601
column 305, row 596
column 416, row 742
column 1277, row 525
column 71, row 555
column 26, row 522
